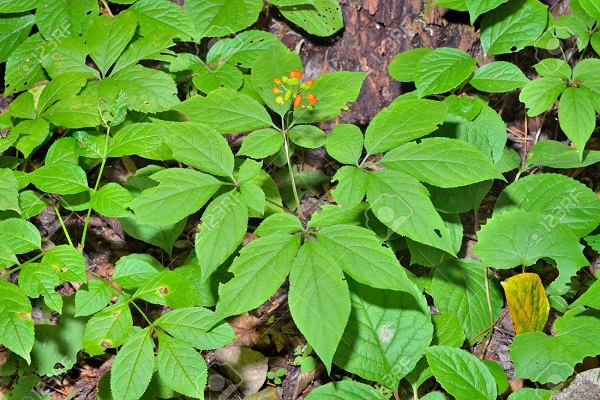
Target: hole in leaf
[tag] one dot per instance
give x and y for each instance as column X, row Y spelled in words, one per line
column 437, row 232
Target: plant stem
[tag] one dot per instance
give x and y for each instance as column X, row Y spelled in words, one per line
column 18, row 267
column 396, row 395
column 487, row 295
column 62, row 223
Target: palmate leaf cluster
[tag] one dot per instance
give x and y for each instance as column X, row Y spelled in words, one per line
column 401, row 186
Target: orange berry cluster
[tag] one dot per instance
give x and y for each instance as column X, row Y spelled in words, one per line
column 289, row 86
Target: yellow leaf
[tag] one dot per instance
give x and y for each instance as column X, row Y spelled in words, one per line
column 527, row 302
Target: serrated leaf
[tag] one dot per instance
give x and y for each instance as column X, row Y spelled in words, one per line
column 20, row 236
column 577, row 116
column 214, row 18
column 144, row 48
column 16, row 327
column 38, row 279
column 107, row 329
column 540, row 94
column 279, row 223
column 163, row 236
column 61, row 87
column 321, row 18
column 459, row 288
column 442, row 70
column 67, row 261
column 61, row 178
column 24, row 65
column 224, row 225
column 261, row 143
column 380, row 341
column 11, row 6
column 181, row 367
column 77, row 111
column 147, row 90
column 9, row 194
column 402, row 123
column 111, row 36
column 146, row 140
column 499, row 76
column 259, row 270
column 360, row 254
column 70, row 17
column 521, row 238
column 23, row 106
column 110, row 199
column 133, row 270
column 195, row 325
column 334, row 91
column 478, row 7
column 180, row 192
column 344, row 390
column 514, row 26
column 461, row 199
column 307, row 136
column 189, row 143
column 133, row 367
column 550, row 153
column 319, row 299
column 527, row 302
column 558, row 197
column 552, row 359
column 92, row 297
column 351, row 187
column 553, row 68
column 226, row 111
column 586, row 74
column 241, row 50
column 403, row 66
column 529, row 393
column 591, row 7
column 442, row 162
column 163, row 17
column 210, row 79
column 431, row 257
column 402, row 204
column 461, row 373
column 345, row 143
column 32, row 134
column 13, row 30
column 69, row 57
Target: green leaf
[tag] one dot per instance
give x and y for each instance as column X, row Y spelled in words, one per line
column 67, row 261
column 108, row 329
column 591, row 7
column 402, row 204
column 163, row 236
column 39, row 279
column 165, row 18
column 111, row 36
column 577, row 116
column 20, row 236
column 461, row 373
column 402, row 123
column 307, row 136
column 214, row 18
column 142, row 139
column 241, row 50
column 380, row 341
column 333, row 91
column 147, row 90
column 540, row 94
column 24, row 65
column 180, row 366
column 360, row 254
column 61, row 178
column 16, row 324
column 345, row 143
column 69, row 57
column 71, row 17
column 23, row 106
column 403, row 66
column 459, row 288
column 31, row 204
column 461, row 199
column 442, row 162
column 133, row 270
column 442, row 70
column 180, row 192
column 61, row 87
column 344, row 390
column 499, row 76
column 33, row 133
column 550, row 153
column 521, row 238
column 11, row 6
column 77, row 111
column 224, row 225
column 431, row 257
column 110, row 199
column 195, row 325
column 514, row 26
column 554, row 68
column 559, row 198
column 226, row 75
column 133, row 367
column 9, row 193
column 226, row 111
column 274, row 62
column 261, row 143
column 279, row 223
column 586, row 72
column 169, row 289
column 144, row 48
column 259, row 270
column 319, row 299
column 321, row 18
column 529, row 393
column 478, row 7
column 92, row 297
column 552, row 359
column 189, row 140
column 351, row 187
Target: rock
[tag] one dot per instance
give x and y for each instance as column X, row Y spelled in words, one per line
column 586, row 386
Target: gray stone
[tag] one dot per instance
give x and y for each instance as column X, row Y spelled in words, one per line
column 586, row 386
